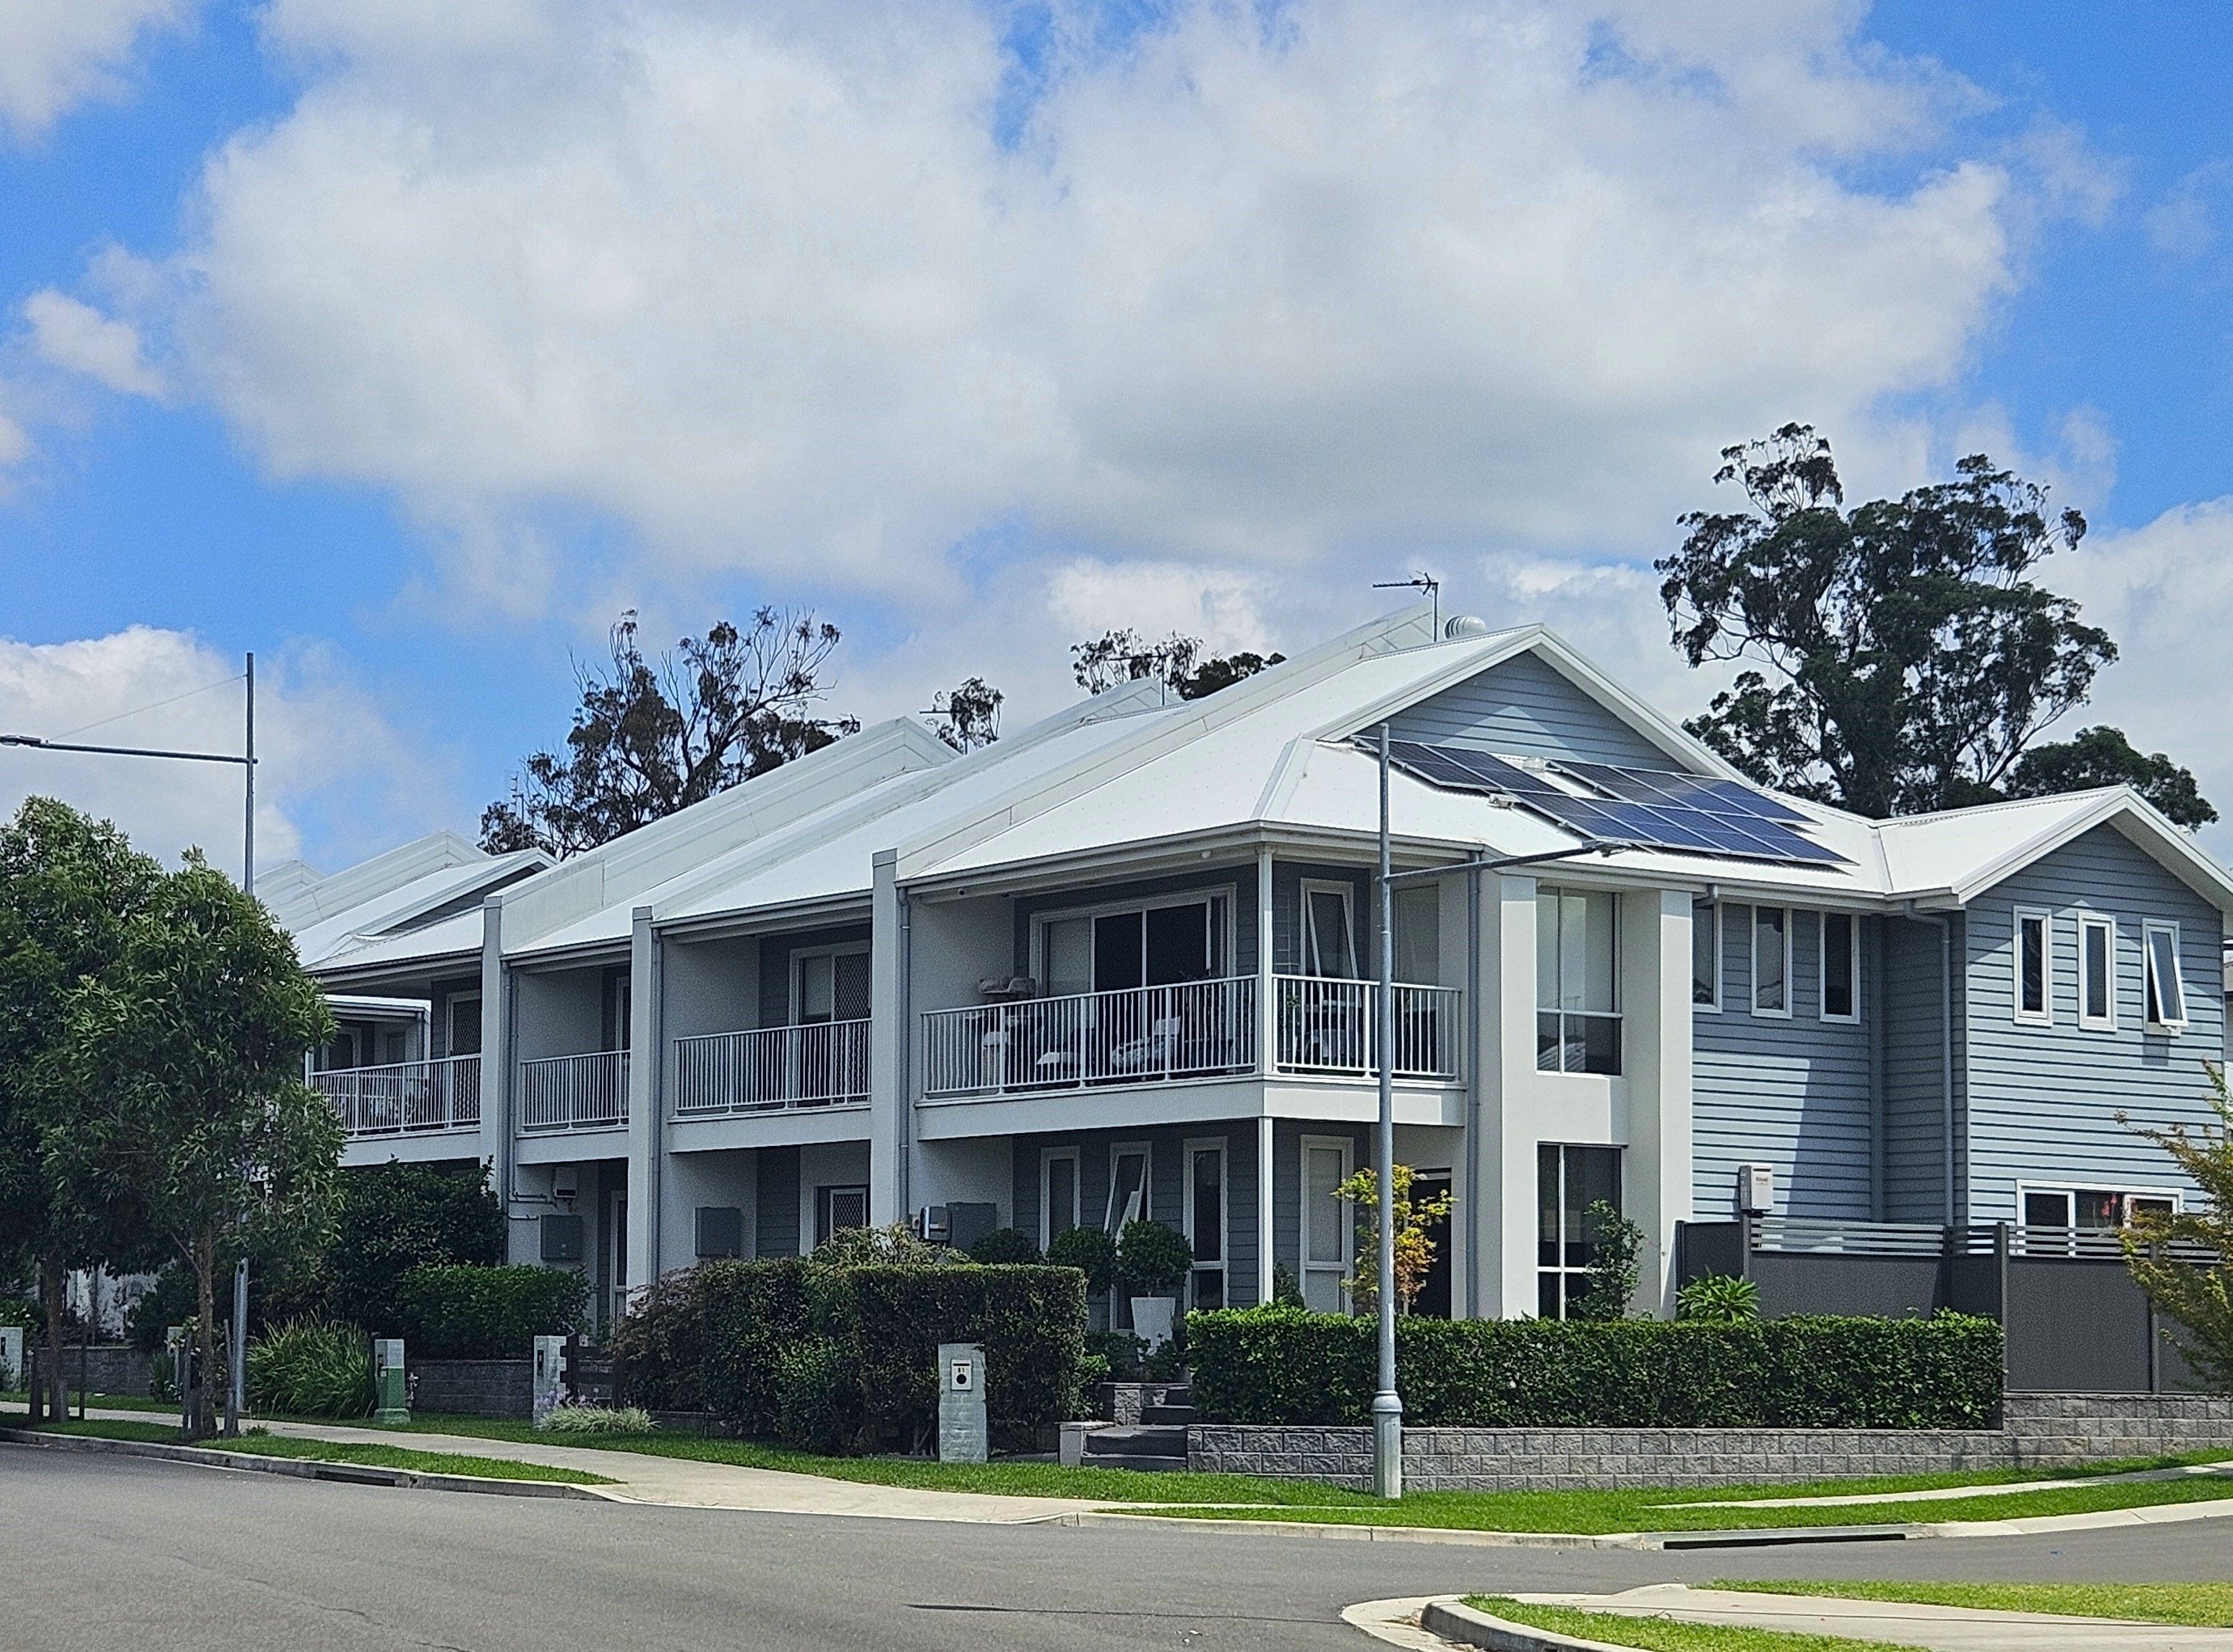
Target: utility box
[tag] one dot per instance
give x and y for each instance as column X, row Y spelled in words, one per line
column 549, row 1377
column 721, row 1231
column 1755, row 1189
column 966, row 1224
column 962, row 1436
column 389, row 1397
column 561, row 1238
column 12, row 1357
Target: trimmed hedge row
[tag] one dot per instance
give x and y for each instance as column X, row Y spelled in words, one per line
column 1284, row 1365
column 844, row 1358
column 471, row 1312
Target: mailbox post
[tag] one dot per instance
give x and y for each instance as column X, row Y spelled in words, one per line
column 388, row 1381
column 549, row 1377
column 962, row 1437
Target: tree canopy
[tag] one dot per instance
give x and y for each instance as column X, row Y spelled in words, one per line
column 651, row 736
column 1123, row 656
column 968, row 715
column 1911, row 659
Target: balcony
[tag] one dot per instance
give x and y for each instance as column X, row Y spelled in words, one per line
column 823, row 1063
column 406, row 1097
column 574, row 1092
column 1155, row 1034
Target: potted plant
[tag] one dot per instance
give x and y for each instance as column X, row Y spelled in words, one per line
column 1153, row 1262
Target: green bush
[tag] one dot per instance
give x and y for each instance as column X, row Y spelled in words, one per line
column 1089, row 1250
column 1718, row 1299
column 820, row 1383
column 599, row 1420
column 1153, row 1260
column 1005, row 1247
column 394, row 1217
column 659, row 1347
column 1286, row 1366
column 1124, row 1351
column 466, row 1313
column 314, row 1368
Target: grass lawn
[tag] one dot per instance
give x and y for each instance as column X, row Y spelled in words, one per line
column 2200, row 1605
column 368, row 1455
column 1665, row 1634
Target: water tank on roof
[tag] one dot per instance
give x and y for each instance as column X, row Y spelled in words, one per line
column 1465, row 625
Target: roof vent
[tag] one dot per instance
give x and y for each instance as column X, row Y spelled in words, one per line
column 1465, row 625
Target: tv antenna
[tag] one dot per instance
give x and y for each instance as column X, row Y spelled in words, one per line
column 1420, row 581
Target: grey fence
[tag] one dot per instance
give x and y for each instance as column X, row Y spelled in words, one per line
column 2073, row 1320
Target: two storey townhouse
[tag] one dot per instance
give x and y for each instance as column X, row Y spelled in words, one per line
column 1120, row 962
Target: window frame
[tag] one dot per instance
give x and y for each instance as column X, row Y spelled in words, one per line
column 799, row 958
column 1752, row 960
column 2106, row 923
column 1562, row 1269
column 451, row 1005
column 1305, row 1266
column 1047, row 1158
column 1111, row 1219
column 2044, row 1016
column 2150, row 990
column 1852, row 1017
column 1222, row 935
column 1222, row 1267
column 1617, row 1014
column 1309, row 937
column 1712, row 911
column 2068, row 1191
column 825, row 1209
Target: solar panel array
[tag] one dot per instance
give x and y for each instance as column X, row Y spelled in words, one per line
column 1649, row 808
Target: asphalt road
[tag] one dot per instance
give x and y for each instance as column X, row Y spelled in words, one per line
column 104, row 1552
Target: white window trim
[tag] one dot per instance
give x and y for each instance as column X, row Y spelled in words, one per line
column 2025, row 1189
column 1309, row 937
column 1110, row 1223
column 842, row 949
column 1048, row 1156
column 1305, row 1266
column 2043, row 1017
column 1222, row 1267
column 457, row 1001
column 2108, row 923
column 2148, row 931
column 1822, row 966
column 1227, row 893
column 1752, row 959
column 1714, row 917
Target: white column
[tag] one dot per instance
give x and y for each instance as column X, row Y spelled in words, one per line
column 1266, row 1006
column 495, row 1054
column 887, row 1044
column 1657, row 1055
column 1265, row 1260
column 1502, row 1227
column 647, row 1100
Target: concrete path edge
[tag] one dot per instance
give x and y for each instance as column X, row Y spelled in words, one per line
column 310, row 1467
column 1455, row 1620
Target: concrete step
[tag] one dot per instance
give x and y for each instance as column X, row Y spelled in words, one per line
column 1167, row 1415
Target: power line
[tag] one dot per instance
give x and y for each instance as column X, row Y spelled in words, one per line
column 102, row 722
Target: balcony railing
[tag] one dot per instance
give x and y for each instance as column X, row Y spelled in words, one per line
column 1132, row 1036
column 1328, row 1026
column 823, row 1063
column 406, row 1097
column 573, row 1092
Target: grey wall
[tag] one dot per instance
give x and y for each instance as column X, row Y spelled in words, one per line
column 1914, row 1106
column 1525, row 708
column 776, row 1213
column 1239, row 879
column 1793, row 1093
column 2044, row 1100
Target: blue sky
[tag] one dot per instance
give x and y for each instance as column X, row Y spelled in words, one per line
column 408, row 353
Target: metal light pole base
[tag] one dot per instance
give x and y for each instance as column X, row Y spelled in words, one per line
column 1387, row 1447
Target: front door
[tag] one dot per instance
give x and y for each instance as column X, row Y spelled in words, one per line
column 617, row 1269
column 1433, row 1301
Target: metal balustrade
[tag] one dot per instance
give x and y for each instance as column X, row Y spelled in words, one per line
column 823, row 1064
column 406, row 1097
column 573, row 1092
column 1327, row 1025
column 1131, row 1036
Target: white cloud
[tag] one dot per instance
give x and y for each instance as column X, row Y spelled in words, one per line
column 763, row 291
column 78, row 338
column 329, row 765
column 58, row 53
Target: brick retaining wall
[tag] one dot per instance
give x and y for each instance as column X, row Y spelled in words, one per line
column 473, row 1388
column 110, row 1368
column 2038, row 1430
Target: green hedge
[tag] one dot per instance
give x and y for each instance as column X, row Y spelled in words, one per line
column 1285, row 1365
column 845, row 1357
column 468, row 1312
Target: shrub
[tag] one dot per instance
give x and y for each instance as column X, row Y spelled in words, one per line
column 1616, row 1243
column 1153, row 1260
column 820, row 1409
column 1122, row 1350
column 466, row 1313
column 893, row 1245
column 1718, row 1299
column 1089, row 1250
column 659, row 1347
column 315, row 1368
column 1286, row 1366
column 397, row 1217
column 1005, row 1246
column 1092, row 1371
column 752, row 1312
column 599, row 1420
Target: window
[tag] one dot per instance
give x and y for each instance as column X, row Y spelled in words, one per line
column 2167, row 989
column 1419, row 934
column 1128, row 1186
column 1841, row 967
column 1771, row 961
column 1568, row 1180
column 2090, row 1210
column 1183, row 939
column 1205, row 1220
column 2097, row 972
column 1328, row 1231
column 1705, row 955
column 2034, row 968
column 839, row 1208
column 616, row 1006
column 1329, row 936
column 1577, row 964
column 1057, row 1193
column 830, row 983
column 462, row 1036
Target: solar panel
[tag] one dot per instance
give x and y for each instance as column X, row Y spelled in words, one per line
column 1649, row 808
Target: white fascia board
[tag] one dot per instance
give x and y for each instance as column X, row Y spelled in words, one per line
column 822, row 911
column 383, row 874
column 2139, row 822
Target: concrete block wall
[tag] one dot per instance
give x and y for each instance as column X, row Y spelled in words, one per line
column 473, row 1388
column 110, row 1368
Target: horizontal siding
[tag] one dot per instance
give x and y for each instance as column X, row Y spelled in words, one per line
column 1794, row 1094
column 1526, row 708
column 775, row 1224
column 1914, row 1080
column 2045, row 1098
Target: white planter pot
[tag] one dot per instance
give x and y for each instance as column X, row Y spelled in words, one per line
column 1152, row 1318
